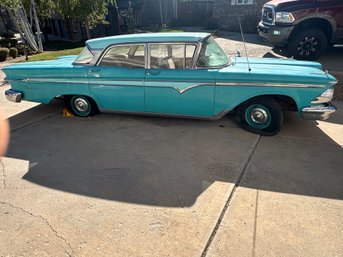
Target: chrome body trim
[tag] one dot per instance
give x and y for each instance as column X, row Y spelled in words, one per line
column 13, row 96
column 122, row 83
column 215, row 117
column 321, row 100
column 3, row 83
column 268, row 84
column 325, row 97
column 321, row 112
column 200, row 83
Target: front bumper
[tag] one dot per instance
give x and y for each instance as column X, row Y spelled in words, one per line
column 320, row 112
column 276, row 35
column 13, row 96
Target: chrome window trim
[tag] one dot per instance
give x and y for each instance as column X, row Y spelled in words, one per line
column 171, row 43
column 105, row 51
column 95, row 54
column 209, row 67
column 146, row 49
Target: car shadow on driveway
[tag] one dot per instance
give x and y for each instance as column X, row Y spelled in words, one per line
column 171, row 162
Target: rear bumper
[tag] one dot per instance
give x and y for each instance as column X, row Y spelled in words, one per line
column 321, row 112
column 13, row 96
column 276, row 35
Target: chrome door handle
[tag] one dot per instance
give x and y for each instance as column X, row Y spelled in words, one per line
column 94, row 70
column 152, row 72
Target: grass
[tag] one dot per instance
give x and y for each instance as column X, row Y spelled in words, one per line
column 159, row 29
column 171, row 30
column 50, row 55
column 55, row 49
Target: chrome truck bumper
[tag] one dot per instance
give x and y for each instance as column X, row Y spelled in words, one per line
column 320, row 112
column 13, row 96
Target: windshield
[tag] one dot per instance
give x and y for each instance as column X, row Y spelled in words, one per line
column 211, row 54
column 84, row 57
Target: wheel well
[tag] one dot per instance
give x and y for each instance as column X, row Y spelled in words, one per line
column 317, row 23
column 69, row 96
column 286, row 103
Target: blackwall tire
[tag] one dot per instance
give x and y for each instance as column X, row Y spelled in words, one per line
column 308, row 44
column 261, row 115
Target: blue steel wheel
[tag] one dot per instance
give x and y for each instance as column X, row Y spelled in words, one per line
column 81, row 106
column 258, row 116
column 261, row 115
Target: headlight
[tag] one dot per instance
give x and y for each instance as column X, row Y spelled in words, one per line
column 325, row 97
column 284, row 17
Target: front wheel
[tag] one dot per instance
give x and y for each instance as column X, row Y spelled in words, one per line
column 81, row 105
column 261, row 115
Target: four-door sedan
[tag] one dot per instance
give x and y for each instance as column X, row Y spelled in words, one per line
column 176, row 74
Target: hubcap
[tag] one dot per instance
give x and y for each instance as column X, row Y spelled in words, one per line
column 259, row 116
column 307, row 46
column 81, row 105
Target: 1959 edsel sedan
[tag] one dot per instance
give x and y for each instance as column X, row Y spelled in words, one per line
column 176, row 74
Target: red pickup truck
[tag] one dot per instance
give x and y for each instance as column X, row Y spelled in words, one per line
column 306, row 28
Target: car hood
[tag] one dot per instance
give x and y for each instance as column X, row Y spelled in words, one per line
column 273, row 70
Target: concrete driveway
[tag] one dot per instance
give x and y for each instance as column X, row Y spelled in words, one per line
column 118, row 185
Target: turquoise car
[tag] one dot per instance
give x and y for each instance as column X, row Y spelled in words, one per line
column 179, row 75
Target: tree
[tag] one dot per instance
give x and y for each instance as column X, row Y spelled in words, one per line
column 89, row 12
column 17, row 11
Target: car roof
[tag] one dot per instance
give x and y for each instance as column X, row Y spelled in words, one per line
column 101, row 43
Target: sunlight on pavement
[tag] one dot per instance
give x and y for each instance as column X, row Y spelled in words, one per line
column 332, row 130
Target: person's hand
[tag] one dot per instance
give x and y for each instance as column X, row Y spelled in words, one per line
column 4, row 135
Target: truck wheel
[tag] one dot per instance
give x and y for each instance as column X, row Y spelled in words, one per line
column 261, row 115
column 308, row 44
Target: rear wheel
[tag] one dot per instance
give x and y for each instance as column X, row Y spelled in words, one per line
column 261, row 115
column 307, row 44
column 81, row 105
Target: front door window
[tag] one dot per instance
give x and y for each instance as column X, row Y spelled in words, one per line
column 171, row 56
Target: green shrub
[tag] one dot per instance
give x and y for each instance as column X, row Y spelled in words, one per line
column 8, row 42
column 8, row 34
column 13, row 52
column 3, row 54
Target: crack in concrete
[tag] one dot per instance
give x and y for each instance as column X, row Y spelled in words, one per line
column 3, row 176
column 228, row 201
column 49, row 225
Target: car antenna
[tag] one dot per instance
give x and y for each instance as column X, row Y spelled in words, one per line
column 245, row 49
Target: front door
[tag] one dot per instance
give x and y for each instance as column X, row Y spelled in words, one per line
column 173, row 87
column 117, row 82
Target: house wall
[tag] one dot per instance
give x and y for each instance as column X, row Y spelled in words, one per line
column 196, row 13
column 226, row 14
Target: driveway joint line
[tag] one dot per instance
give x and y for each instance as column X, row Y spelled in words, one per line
column 47, row 223
column 2, row 166
column 34, row 122
column 228, row 201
